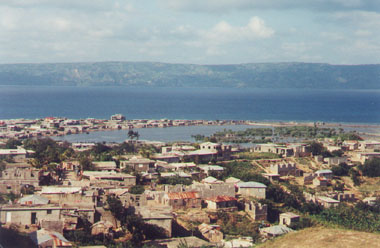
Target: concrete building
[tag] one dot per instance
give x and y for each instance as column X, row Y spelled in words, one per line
column 14, row 178
column 369, row 145
column 33, row 200
column 285, row 169
column 335, row 160
column 105, row 165
column 207, row 190
column 289, row 219
column 110, row 178
column 225, row 203
column 320, row 181
column 138, row 164
column 29, row 215
column 161, row 217
column 214, row 170
column 327, row 202
column 253, row 189
column 117, row 117
column 256, row 211
column 324, row 173
column 70, row 165
column 167, row 157
column 364, row 156
column 183, row 200
column 351, row 145
column 18, row 155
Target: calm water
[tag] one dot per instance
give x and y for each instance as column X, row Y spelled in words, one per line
column 348, row 106
column 153, row 134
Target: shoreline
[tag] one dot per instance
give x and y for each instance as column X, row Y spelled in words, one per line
column 56, row 126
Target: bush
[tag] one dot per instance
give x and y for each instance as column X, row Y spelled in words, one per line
column 351, row 217
column 137, row 189
column 174, row 180
column 355, row 176
column 116, row 207
column 243, row 171
column 371, row 168
column 340, row 170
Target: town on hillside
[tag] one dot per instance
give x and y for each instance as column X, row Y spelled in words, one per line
column 210, row 193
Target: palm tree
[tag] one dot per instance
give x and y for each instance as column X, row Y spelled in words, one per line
column 133, row 135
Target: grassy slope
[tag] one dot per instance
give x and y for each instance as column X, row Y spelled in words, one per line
column 325, row 237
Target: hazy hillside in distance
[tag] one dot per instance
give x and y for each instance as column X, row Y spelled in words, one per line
column 148, row 74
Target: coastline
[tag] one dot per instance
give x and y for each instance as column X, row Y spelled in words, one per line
column 56, row 126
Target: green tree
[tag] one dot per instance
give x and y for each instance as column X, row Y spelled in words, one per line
column 2, row 166
column 355, row 176
column 371, row 168
column 133, row 135
column 116, row 207
column 340, row 170
column 100, row 148
column 46, row 150
column 86, row 164
column 137, row 189
column 12, row 143
column 316, row 148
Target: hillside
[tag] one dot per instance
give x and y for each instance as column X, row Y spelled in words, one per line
column 150, row 74
column 325, row 237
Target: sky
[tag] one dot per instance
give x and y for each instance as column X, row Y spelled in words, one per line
column 190, row 31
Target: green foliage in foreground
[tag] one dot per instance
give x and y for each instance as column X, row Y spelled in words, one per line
column 357, row 218
column 12, row 238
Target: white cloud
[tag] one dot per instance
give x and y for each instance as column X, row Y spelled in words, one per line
column 223, row 32
column 97, row 30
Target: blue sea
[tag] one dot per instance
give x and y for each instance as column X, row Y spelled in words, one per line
column 303, row 105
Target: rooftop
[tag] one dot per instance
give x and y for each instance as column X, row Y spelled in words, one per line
column 221, row 198
column 183, row 195
column 251, row 185
column 276, row 230
column 60, row 190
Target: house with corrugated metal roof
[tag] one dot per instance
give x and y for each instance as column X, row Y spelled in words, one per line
column 44, row 238
column 183, row 200
column 221, row 202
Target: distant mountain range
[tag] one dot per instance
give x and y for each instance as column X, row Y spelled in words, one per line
column 151, row 74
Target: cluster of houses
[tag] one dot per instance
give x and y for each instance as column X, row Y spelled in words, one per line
column 51, row 210
column 57, row 209
column 48, row 211
column 355, row 151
